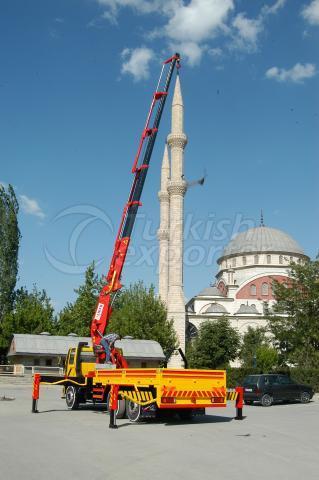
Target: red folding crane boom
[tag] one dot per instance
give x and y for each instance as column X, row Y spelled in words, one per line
column 140, row 167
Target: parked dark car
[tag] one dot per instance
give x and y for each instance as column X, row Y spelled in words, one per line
column 270, row 388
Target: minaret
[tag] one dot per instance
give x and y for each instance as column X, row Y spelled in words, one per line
column 176, row 189
column 163, row 231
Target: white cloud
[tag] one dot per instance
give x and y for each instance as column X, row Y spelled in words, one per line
column 268, row 10
column 247, row 31
column 297, row 74
column 136, row 62
column 215, row 52
column 186, row 27
column 198, row 21
column 31, row 206
column 190, row 51
column 190, row 25
column 311, row 12
column 140, row 6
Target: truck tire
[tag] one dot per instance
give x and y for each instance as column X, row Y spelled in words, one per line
column 121, row 409
column 133, row 411
column 72, row 397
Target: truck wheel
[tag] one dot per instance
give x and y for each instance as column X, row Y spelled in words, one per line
column 133, row 411
column 72, row 397
column 121, row 407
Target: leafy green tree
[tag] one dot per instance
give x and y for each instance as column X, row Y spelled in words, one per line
column 294, row 321
column 76, row 317
column 139, row 313
column 215, row 346
column 266, row 358
column 252, row 340
column 9, row 247
column 32, row 313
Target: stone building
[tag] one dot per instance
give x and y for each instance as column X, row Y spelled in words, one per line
column 243, row 287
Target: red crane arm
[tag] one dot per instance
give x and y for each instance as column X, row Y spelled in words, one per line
column 142, row 159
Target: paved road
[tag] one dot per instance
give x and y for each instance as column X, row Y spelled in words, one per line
column 278, row 442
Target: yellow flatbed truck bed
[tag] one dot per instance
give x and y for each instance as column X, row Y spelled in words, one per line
column 148, row 389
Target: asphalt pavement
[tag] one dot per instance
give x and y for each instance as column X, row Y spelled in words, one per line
column 278, row 442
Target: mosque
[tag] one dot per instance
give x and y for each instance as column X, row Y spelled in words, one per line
column 251, row 261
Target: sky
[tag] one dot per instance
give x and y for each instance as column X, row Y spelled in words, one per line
column 76, row 81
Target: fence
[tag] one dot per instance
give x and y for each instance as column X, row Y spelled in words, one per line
column 47, row 370
column 16, row 370
column 22, row 370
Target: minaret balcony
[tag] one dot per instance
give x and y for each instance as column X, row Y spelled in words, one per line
column 177, row 140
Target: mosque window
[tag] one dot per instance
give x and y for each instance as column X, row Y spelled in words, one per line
column 281, row 259
column 234, row 262
column 253, row 289
column 268, row 259
column 244, row 260
column 264, row 289
column 256, row 258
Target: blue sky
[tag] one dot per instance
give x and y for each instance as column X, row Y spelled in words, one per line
column 76, row 81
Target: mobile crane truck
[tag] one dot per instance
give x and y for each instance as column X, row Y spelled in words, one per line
column 138, row 392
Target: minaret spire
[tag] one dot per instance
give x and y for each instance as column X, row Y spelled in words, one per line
column 176, row 189
column 163, row 231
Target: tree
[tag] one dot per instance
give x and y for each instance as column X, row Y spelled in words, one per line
column 32, row 313
column 256, row 350
column 215, row 346
column 294, row 321
column 77, row 317
column 139, row 313
column 9, row 247
column 266, row 358
column 252, row 340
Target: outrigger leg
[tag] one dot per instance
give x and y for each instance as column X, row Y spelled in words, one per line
column 36, row 392
column 113, row 405
column 239, row 403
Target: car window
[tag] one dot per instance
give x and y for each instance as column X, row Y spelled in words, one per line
column 271, row 380
column 284, row 380
column 250, row 380
column 266, row 380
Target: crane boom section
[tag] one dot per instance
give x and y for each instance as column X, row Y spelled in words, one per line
column 140, row 167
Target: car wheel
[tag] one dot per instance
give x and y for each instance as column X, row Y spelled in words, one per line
column 266, row 400
column 305, row 397
column 72, row 397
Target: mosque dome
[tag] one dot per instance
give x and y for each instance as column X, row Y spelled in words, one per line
column 262, row 239
column 211, row 291
column 215, row 308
